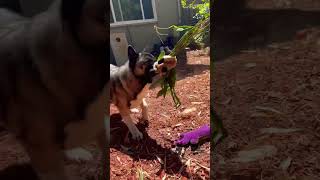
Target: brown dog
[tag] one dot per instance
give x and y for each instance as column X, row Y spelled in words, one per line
column 53, row 80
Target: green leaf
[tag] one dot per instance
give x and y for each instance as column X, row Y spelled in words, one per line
column 175, row 98
column 180, row 29
column 166, row 88
column 161, row 55
column 172, row 78
column 185, row 27
column 184, row 3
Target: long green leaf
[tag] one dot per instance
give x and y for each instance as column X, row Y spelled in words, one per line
column 161, row 56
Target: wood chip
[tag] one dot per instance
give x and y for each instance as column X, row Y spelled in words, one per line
column 268, row 109
column 160, row 160
column 196, row 103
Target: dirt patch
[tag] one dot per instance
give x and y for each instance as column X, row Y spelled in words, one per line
column 275, row 87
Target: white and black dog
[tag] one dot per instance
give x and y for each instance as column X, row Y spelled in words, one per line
column 53, row 80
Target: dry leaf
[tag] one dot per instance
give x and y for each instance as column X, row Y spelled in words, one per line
column 118, row 158
column 177, row 125
column 164, row 115
column 268, row 109
column 160, row 160
column 204, row 167
column 164, row 177
column 250, row 65
column 226, row 102
column 189, row 110
column 188, row 163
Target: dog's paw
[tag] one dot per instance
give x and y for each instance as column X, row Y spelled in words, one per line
column 78, row 154
column 137, row 135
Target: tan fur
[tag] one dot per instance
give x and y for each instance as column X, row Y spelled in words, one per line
column 140, row 97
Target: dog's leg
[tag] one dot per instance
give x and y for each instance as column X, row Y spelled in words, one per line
column 144, row 109
column 47, row 160
column 127, row 119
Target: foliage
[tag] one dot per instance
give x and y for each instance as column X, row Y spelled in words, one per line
column 191, row 33
column 202, row 9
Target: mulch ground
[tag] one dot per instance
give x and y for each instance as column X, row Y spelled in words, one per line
column 273, row 87
column 152, row 157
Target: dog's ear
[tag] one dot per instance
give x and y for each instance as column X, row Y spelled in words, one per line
column 133, row 56
column 71, row 10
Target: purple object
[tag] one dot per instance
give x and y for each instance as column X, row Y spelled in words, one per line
column 194, row 136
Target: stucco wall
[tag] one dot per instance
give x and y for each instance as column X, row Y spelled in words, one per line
column 139, row 35
column 143, row 35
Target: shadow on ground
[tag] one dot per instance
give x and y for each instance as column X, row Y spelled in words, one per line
column 18, row 172
column 244, row 29
column 188, row 70
column 147, row 149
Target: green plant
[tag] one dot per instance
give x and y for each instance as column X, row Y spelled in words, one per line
column 219, row 132
column 202, row 8
column 191, row 33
